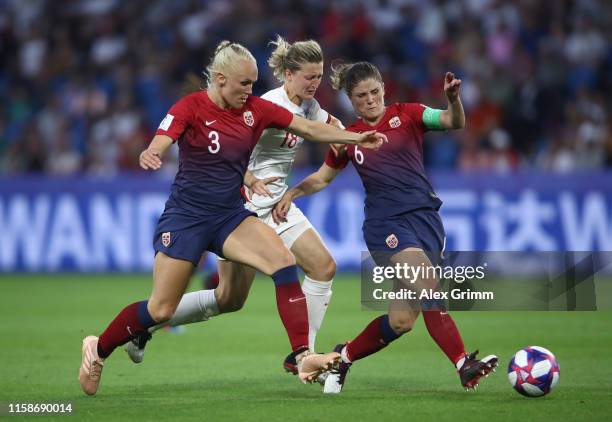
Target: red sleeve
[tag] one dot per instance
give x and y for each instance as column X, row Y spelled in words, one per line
column 336, row 162
column 177, row 120
column 273, row 115
column 415, row 112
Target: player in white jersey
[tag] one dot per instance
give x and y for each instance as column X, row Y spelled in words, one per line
column 300, row 67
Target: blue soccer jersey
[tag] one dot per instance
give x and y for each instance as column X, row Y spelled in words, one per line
column 393, row 177
column 214, row 149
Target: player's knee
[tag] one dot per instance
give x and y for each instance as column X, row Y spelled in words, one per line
column 401, row 325
column 324, row 270
column 328, row 268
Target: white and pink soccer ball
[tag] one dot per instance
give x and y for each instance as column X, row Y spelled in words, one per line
column 533, row 371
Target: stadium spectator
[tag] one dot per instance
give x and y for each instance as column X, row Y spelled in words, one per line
column 527, row 62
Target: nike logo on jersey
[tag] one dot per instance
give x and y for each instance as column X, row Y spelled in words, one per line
column 295, row 299
column 210, row 123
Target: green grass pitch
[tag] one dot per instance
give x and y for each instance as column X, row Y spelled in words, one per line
column 229, row 368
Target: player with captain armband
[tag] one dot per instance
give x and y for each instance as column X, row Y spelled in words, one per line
column 402, row 224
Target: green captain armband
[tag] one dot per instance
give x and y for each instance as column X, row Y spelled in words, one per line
column 431, row 118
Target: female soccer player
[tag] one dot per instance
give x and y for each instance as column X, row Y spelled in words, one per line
column 401, row 224
column 300, row 67
column 217, row 130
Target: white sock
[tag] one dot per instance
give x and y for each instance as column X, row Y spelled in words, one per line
column 344, row 355
column 193, row 307
column 460, row 363
column 318, row 294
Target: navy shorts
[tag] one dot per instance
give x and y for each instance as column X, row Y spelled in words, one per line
column 183, row 236
column 420, row 228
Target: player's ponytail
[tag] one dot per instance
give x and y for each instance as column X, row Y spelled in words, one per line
column 224, row 59
column 291, row 57
column 338, row 75
column 347, row 75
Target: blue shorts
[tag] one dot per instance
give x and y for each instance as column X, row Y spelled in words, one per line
column 183, row 236
column 420, row 228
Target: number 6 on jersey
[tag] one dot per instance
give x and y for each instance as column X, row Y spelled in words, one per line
column 358, row 155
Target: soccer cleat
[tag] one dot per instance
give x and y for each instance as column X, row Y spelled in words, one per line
column 290, row 364
column 337, row 377
column 322, row 378
column 473, row 369
column 91, row 366
column 135, row 348
column 311, row 365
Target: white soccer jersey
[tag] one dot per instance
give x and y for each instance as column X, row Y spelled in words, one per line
column 275, row 152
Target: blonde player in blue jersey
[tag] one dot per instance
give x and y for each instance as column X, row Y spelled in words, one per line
column 300, row 67
column 216, row 130
column 402, row 224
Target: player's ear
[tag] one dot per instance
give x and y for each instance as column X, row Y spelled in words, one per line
column 288, row 75
column 221, row 79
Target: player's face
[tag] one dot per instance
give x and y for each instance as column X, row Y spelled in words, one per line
column 304, row 82
column 368, row 99
column 237, row 85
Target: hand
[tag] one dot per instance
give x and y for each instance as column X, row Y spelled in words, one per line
column 451, row 86
column 281, row 208
column 259, row 187
column 372, row 140
column 150, row 160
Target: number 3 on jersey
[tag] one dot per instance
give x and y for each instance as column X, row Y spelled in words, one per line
column 213, row 135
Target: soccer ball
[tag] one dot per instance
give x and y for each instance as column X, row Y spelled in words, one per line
column 533, row 371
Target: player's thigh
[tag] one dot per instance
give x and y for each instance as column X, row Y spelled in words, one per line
column 235, row 281
column 313, row 256
column 257, row 245
column 170, row 279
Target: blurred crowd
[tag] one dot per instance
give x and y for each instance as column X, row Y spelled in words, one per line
column 85, row 83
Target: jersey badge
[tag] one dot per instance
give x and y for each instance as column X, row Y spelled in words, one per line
column 248, row 118
column 392, row 241
column 165, row 238
column 395, row 122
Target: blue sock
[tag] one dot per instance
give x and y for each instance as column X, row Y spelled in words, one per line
column 388, row 334
column 286, row 275
column 145, row 319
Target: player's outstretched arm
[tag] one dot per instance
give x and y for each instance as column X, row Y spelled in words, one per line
column 150, row 158
column 454, row 116
column 311, row 184
column 321, row 132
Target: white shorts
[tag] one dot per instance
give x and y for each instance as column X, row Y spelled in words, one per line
column 290, row 230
